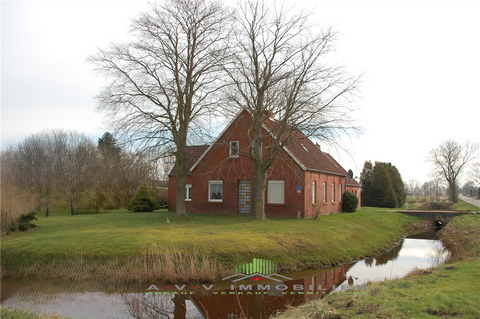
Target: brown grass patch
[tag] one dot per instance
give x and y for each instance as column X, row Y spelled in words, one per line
column 168, row 266
column 15, row 202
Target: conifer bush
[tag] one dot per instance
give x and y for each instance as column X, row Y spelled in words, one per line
column 144, row 200
column 25, row 221
column 350, row 202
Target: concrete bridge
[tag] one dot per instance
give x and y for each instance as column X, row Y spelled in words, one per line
column 431, row 214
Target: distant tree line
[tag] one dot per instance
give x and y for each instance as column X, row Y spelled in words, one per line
column 432, row 188
column 382, row 185
column 67, row 169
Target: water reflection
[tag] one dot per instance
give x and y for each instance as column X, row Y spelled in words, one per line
column 263, row 300
column 251, row 299
column 413, row 252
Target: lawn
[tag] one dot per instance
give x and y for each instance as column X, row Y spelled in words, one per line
column 133, row 240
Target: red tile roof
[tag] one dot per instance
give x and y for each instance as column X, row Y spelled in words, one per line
column 193, row 154
column 307, row 154
column 350, row 182
column 302, row 149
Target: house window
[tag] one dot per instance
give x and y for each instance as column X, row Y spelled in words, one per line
column 188, row 192
column 333, row 192
column 340, row 193
column 276, row 192
column 234, row 148
column 325, row 192
column 215, row 191
column 314, row 191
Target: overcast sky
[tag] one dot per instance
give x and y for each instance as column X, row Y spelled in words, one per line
column 420, row 60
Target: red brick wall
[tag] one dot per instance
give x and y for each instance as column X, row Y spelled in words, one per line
column 329, row 205
column 217, row 165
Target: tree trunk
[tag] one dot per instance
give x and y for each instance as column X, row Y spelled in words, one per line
column 181, row 174
column 72, row 209
column 259, row 184
column 47, row 213
column 452, row 192
column 180, row 310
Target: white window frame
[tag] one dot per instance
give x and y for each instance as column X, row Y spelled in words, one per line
column 209, row 193
column 234, row 151
column 324, row 192
column 188, row 198
column 340, row 193
column 276, row 198
column 314, row 192
column 333, row 192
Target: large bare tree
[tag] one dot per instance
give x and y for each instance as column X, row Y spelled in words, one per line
column 449, row 160
column 281, row 74
column 474, row 173
column 161, row 84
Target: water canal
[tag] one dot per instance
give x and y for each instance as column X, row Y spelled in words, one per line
column 225, row 299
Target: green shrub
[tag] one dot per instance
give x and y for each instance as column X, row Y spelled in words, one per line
column 25, row 221
column 350, row 202
column 23, row 226
column 144, row 200
column 27, row 218
column 382, row 185
column 12, row 228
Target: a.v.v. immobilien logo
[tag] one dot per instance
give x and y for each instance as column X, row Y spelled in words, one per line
column 257, row 270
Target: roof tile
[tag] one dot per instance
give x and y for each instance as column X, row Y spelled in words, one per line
column 193, row 154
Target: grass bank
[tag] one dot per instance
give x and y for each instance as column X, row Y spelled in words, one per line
column 143, row 246
column 7, row 313
column 448, row 291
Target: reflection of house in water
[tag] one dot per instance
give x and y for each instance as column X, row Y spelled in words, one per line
column 255, row 303
column 384, row 258
column 175, row 301
column 392, row 254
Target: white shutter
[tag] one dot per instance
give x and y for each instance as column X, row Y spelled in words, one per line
column 276, row 192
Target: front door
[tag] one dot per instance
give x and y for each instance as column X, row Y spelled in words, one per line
column 244, row 201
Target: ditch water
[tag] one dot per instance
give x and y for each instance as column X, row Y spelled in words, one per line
column 254, row 297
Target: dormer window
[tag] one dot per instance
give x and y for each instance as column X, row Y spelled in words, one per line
column 234, row 148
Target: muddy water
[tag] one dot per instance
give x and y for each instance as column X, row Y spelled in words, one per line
column 253, row 297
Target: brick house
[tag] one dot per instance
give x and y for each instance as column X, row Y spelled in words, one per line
column 302, row 182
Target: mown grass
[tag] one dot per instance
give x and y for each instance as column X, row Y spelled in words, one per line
column 448, row 291
column 124, row 245
column 7, row 313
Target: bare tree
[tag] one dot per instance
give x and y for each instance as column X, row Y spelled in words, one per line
column 474, row 173
column 82, row 167
column 413, row 187
column 163, row 83
column 448, row 161
column 281, row 76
